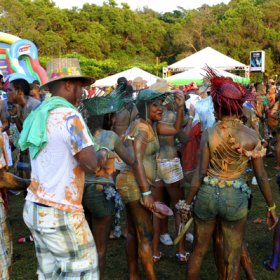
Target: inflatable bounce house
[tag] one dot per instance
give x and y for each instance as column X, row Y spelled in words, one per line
column 19, row 59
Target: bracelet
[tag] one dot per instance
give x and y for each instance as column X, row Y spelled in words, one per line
column 182, row 205
column 191, row 117
column 273, row 207
column 146, row 193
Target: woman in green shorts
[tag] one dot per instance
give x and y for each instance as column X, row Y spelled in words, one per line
column 219, row 185
column 100, row 198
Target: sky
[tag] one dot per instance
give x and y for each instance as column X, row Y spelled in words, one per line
column 160, row 6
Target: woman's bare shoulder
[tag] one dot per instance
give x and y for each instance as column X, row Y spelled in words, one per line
column 248, row 137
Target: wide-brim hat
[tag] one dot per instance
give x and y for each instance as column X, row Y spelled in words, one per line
column 101, row 105
column 65, row 68
column 137, row 80
column 146, row 95
column 160, row 86
column 19, row 76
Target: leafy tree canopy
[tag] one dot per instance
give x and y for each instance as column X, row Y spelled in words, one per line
column 112, row 38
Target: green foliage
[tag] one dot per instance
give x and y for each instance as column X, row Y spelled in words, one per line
column 112, row 37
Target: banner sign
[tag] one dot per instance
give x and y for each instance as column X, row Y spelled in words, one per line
column 257, row 61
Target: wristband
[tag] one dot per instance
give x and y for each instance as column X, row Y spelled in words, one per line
column 146, row 193
column 273, row 207
column 191, row 117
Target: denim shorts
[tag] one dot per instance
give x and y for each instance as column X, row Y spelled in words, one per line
column 228, row 203
column 94, row 201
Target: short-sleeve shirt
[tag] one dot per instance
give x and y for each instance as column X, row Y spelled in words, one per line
column 57, row 179
column 29, row 106
column 204, row 109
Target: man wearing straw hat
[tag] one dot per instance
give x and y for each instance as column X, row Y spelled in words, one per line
column 61, row 150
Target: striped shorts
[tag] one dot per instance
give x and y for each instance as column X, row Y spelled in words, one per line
column 64, row 244
column 170, row 170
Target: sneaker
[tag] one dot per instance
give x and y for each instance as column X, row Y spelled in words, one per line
column 166, row 239
column 254, row 181
column 157, row 258
column 189, row 237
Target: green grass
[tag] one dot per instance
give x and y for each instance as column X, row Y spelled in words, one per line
column 259, row 240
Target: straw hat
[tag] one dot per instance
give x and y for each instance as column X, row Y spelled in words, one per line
column 137, row 80
column 138, row 83
column 65, row 68
column 160, row 86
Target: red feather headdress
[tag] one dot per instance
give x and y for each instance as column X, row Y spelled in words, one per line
column 226, row 93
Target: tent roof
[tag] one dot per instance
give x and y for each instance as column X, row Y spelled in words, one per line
column 197, row 75
column 207, row 56
column 130, row 74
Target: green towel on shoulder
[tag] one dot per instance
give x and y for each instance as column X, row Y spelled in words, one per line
column 34, row 132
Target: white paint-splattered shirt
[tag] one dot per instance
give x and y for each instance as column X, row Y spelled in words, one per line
column 57, row 179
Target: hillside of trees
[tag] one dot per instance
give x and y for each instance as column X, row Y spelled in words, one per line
column 112, row 38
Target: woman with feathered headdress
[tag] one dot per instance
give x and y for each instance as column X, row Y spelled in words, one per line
column 219, row 185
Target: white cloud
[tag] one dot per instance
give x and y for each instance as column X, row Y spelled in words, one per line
column 156, row 5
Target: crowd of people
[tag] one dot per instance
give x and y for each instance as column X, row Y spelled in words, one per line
column 85, row 155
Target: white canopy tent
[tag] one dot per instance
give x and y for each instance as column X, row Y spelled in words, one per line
column 129, row 74
column 197, row 75
column 207, row 56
